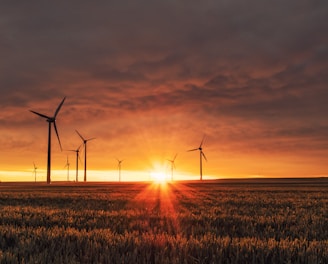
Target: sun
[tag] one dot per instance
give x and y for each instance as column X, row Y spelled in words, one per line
column 158, row 176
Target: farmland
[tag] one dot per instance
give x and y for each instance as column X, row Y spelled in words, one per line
column 224, row 221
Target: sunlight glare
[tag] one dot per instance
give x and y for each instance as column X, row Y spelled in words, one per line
column 158, row 176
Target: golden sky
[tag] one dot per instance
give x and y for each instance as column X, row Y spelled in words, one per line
column 149, row 79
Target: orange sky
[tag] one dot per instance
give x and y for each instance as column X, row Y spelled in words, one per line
column 148, row 80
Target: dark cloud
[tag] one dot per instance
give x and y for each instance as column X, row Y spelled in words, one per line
column 252, row 72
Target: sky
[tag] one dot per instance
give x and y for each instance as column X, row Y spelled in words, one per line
column 148, row 79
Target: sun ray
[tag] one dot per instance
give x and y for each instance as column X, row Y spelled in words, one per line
column 158, row 202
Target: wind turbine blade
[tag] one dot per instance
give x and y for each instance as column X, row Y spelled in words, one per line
column 204, row 156
column 193, row 149
column 75, row 150
column 58, row 136
column 90, row 139
column 175, row 157
column 201, row 143
column 58, row 108
column 79, row 158
column 80, row 135
column 82, row 151
column 44, row 116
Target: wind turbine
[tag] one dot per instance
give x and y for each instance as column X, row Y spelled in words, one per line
column 201, row 156
column 35, row 168
column 67, row 165
column 85, row 141
column 119, row 162
column 172, row 165
column 50, row 120
column 77, row 161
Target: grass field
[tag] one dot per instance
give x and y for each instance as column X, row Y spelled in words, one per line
column 224, row 221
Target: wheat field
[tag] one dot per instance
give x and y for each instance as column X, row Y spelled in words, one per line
column 224, row 221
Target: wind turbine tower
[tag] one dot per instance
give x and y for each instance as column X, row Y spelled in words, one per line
column 35, row 168
column 201, row 156
column 51, row 120
column 119, row 162
column 77, row 161
column 172, row 165
column 67, row 165
column 85, row 141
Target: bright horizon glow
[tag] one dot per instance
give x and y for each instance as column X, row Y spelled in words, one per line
column 158, row 176
column 112, row 176
column 98, row 176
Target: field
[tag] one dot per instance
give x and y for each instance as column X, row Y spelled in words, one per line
column 224, row 221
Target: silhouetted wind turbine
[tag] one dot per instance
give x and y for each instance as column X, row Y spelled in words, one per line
column 67, row 165
column 201, row 155
column 35, row 168
column 119, row 162
column 51, row 120
column 77, row 161
column 172, row 165
column 85, row 141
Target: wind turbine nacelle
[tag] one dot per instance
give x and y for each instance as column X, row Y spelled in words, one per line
column 51, row 119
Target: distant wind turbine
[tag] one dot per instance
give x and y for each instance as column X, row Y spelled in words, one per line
column 172, row 165
column 119, row 162
column 51, row 120
column 35, row 168
column 201, row 156
column 85, row 141
column 67, row 165
column 77, row 161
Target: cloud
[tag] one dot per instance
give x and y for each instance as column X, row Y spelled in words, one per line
column 248, row 74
